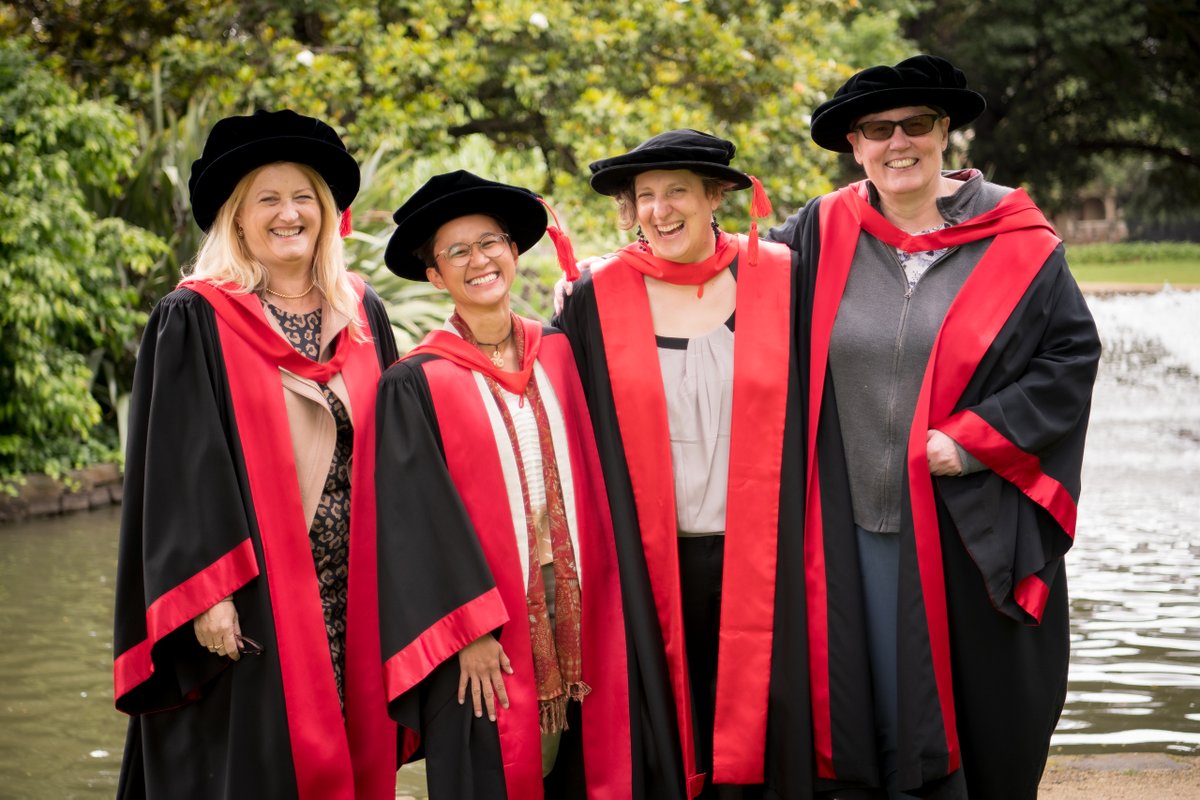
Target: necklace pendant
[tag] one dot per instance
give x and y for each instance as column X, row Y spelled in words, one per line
column 497, row 359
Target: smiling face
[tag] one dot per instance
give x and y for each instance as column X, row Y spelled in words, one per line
column 484, row 283
column 902, row 165
column 676, row 213
column 280, row 217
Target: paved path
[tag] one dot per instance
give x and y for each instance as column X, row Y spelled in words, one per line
column 1121, row 776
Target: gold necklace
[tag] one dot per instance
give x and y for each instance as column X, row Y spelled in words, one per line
column 311, row 284
column 496, row 358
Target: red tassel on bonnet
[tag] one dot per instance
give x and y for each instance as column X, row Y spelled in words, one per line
column 346, row 226
column 562, row 245
column 760, row 206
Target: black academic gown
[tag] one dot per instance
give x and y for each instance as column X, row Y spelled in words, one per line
column 982, row 613
column 191, row 534
column 772, row 698
column 451, row 570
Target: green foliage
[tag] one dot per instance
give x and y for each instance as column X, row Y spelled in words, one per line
column 560, row 83
column 67, row 308
column 517, row 90
column 1076, row 86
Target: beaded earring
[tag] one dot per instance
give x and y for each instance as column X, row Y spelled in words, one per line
column 641, row 237
column 716, row 229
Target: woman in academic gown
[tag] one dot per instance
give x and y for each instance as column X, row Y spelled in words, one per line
column 951, row 370
column 499, row 597
column 247, row 640
column 685, row 348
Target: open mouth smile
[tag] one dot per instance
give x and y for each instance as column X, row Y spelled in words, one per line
column 484, row 280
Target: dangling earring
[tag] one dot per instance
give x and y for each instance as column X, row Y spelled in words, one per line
column 642, row 243
column 241, row 234
column 716, row 229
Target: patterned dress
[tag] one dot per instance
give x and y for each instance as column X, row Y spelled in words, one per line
column 330, row 531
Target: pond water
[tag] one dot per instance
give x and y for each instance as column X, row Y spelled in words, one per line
column 1134, row 572
column 1135, row 567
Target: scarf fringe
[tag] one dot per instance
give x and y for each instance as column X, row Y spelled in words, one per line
column 552, row 713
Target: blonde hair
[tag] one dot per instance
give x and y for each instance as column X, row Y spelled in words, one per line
column 627, row 202
column 225, row 258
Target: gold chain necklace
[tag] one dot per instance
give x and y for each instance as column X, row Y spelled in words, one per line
column 311, row 284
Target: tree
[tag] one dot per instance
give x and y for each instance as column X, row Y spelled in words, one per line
column 66, row 311
column 1078, row 84
column 519, row 90
column 560, row 83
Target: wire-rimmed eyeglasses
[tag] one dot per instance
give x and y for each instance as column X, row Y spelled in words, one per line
column 490, row 244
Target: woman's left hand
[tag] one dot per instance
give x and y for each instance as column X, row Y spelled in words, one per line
column 942, row 454
column 217, row 630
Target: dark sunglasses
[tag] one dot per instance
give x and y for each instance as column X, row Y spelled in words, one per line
column 248, row 647
column 879, row 130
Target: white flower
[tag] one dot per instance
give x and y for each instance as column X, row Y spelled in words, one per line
column 538, row 20
column 305, row 57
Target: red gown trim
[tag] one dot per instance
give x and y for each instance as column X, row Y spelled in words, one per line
column 1023, row 470
column 476, row 472
column 761, row 360
column 361, row 764
column 761, row 356
column 1023, row 242
column 839, row 238
column 441, row 640
column 181, row 605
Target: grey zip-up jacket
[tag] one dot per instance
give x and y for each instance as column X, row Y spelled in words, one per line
column 881, row 341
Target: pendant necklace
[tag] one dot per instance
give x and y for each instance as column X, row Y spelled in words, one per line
column 496, row 357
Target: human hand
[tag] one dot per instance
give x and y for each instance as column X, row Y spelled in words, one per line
column 562, row 287
column 218, row 631
column 942, row 454
column 482, row 664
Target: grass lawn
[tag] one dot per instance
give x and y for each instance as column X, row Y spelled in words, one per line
column 1177, row 273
